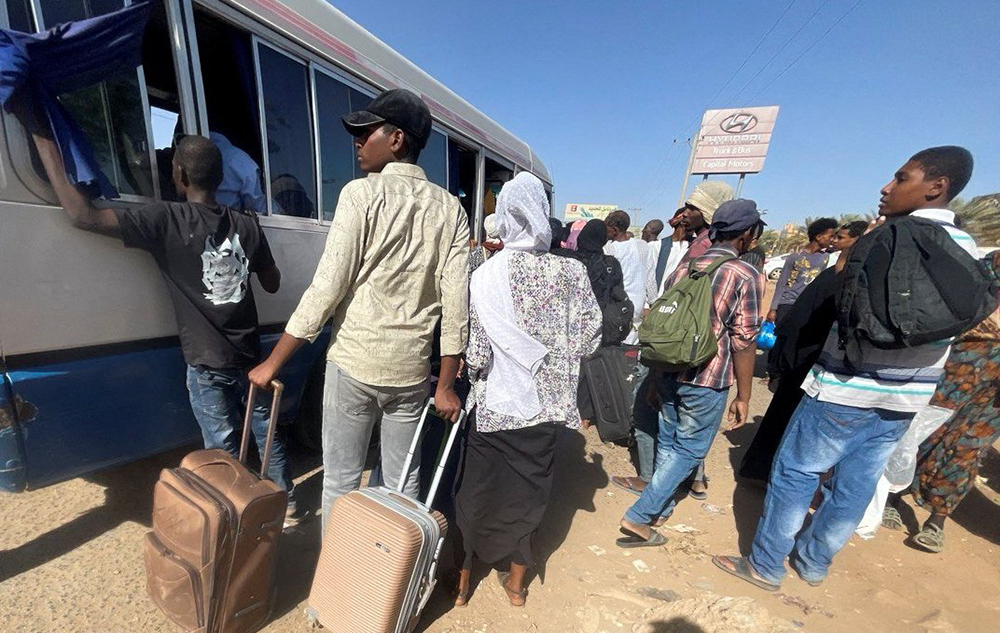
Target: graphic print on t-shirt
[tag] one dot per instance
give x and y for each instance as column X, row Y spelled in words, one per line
column 225, row 270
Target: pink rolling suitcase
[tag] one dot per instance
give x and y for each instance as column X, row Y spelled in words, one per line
column 380, row 553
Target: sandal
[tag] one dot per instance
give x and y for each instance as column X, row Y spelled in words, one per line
column 930, row 538
column 740, row 567
column 632, row 539
column 702, row 495
column 512, row 595
column 891, row 519
column 628, row 484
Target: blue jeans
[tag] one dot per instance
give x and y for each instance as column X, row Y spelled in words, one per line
column 646, row 421
column 218, row 398
column 856, row 443
column 689, row 419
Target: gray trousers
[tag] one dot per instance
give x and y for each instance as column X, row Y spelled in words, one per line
column 350, row 411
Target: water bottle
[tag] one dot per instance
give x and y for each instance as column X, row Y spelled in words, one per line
column 766, row 337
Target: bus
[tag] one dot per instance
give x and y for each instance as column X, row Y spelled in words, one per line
column 89, row 356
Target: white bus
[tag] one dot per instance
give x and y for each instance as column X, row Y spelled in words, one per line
column 91, row 366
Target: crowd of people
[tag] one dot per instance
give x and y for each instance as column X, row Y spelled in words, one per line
column 515, row 314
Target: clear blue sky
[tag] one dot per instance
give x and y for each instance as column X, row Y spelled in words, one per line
column 601, row 89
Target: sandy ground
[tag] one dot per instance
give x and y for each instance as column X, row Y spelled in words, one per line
column 70, row 560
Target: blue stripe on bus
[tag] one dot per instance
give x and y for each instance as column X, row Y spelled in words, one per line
column 107, row 410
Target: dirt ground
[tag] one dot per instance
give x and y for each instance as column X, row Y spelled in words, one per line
column 70, row 560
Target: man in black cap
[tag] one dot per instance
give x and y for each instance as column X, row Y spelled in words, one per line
column 395, row 264
column 692, row 402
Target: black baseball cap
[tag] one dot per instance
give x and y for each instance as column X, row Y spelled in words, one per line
column 735, row 215
column 399, row 107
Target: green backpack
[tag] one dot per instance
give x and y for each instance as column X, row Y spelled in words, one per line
column 677, row 333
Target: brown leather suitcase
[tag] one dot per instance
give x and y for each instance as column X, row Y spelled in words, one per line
column 379, row 556
column 210, row 559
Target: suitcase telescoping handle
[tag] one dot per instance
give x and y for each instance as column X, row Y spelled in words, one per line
column 442, row 462
column 272, row 426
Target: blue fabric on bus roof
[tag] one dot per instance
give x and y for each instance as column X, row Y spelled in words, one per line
column 69, row 57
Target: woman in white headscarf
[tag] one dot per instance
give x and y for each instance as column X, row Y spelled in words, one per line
column 533, row 316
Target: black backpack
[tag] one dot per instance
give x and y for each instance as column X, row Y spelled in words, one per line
column 908, row 283
column 608, row 283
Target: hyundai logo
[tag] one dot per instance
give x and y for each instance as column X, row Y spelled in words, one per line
column 739, row 123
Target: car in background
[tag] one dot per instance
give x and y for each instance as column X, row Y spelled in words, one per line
column 773, row 265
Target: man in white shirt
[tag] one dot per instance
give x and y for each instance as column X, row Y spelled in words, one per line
column 638, row 266
column 852, row 416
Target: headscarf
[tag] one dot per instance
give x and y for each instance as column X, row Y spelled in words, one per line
column 523, row 225
column 559, row 233
column 707, row 197
column 492, row 242
column 574, row 234
column 490, row 226
column 592, row 237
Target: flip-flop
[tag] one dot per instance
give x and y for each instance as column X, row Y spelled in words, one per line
column 740, row 567
column 633, row 540
column 625, row 483
column 700, row 496
column 891, row 519
column 930, row 538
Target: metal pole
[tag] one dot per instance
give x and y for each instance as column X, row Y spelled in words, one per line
column 687, row 172
column 739, row 186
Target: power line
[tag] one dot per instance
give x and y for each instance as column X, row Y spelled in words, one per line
column 809, row 48
column 780, row 50
column 659, row 168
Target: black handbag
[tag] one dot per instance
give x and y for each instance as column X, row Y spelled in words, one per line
column 607, row 378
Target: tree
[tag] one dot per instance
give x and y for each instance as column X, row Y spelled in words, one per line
column 769, row 240
column 980, row 218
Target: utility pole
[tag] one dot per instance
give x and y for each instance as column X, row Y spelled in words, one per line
column 687, row 172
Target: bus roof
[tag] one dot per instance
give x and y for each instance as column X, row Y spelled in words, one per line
column 319, row 26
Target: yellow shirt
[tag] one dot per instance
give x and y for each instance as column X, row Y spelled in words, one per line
column 396, row 261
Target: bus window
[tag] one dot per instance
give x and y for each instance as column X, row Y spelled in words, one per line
column 227, row 79
column 336, row 146
column 434, row 159
column 462, row 176
column 19, row 16
column 284, row 90
column 118, row 134
column 115, row 114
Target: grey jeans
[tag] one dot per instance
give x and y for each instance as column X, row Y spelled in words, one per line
column 350, row 410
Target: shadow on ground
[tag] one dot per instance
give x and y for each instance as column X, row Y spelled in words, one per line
column 128, row 496
column 673, row 625
column 748, row 498
column 577, row 479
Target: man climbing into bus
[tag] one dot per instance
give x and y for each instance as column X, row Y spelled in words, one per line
column 395, row 264
column 206, row 253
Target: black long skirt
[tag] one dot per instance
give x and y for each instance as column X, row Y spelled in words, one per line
column 506, row 481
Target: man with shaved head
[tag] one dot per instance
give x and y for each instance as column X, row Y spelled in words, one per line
column 206, row 253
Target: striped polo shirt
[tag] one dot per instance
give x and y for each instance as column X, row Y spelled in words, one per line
column 894, row 379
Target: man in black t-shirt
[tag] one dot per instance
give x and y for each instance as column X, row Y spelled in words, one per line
column 206, row 253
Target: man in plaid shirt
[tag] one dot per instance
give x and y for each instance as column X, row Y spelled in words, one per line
column 692, row 402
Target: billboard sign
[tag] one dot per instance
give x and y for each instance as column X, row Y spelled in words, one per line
column 734, row 140
column 576, row 212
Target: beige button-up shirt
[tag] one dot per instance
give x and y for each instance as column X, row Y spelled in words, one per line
column 396, row 260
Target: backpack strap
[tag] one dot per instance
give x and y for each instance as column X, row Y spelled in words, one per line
column 711, row 268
